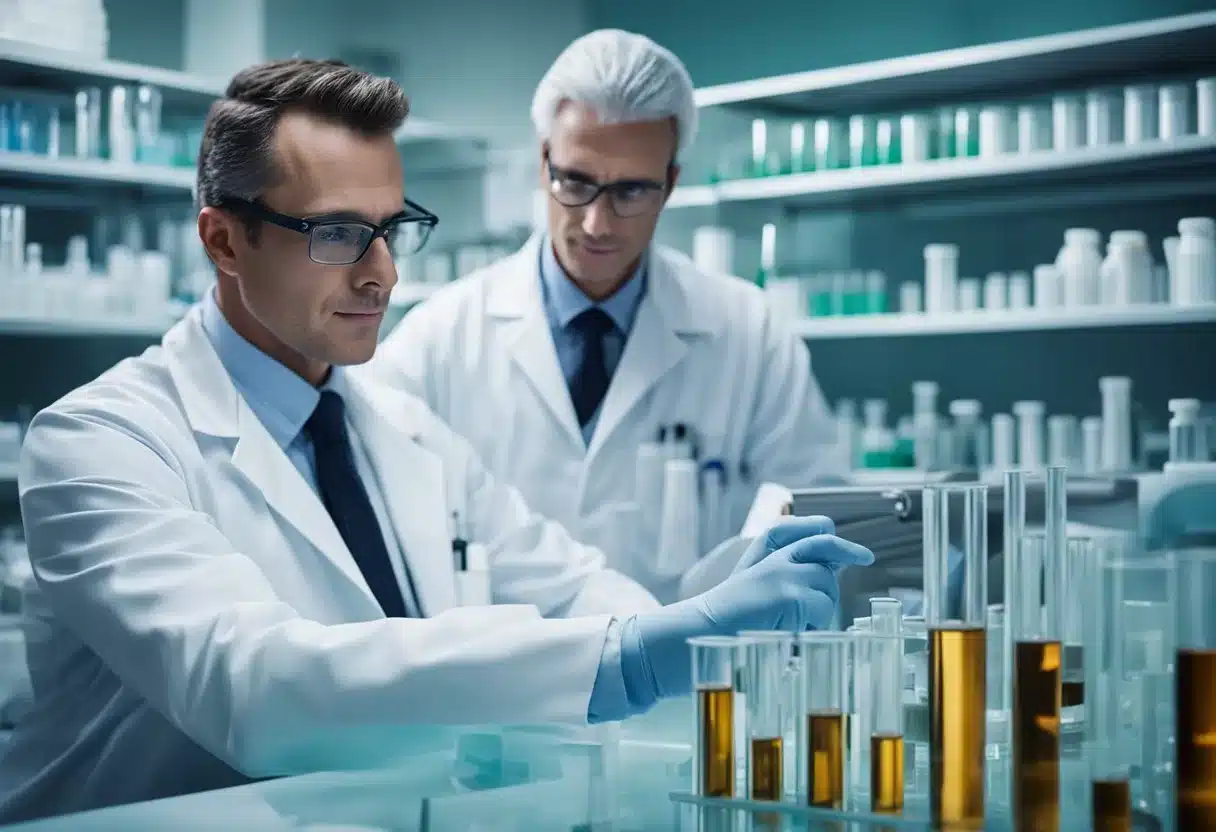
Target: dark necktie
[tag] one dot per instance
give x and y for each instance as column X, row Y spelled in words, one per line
column 347, row 502
column 591, row 378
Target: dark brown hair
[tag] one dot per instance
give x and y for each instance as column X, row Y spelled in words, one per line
column 236, row 159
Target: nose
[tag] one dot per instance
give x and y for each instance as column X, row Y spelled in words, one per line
column 376, row 267
column 597, row 218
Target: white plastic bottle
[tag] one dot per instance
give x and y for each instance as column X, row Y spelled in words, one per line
column 941, row 278
column 1080, row 265
column 1195, row 281
column 1127, row 272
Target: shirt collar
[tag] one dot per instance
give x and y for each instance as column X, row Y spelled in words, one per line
column 280, row 399
column 565, row 301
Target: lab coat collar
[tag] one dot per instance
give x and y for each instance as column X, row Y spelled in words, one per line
column 413, row 484
column 565, row 301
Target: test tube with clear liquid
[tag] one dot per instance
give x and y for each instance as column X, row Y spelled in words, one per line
column 769, row 704
column 884, row 657
column 715, row 667
column 827, row 662
column 957, row 656
column 1195, row 690
column 1033, row 618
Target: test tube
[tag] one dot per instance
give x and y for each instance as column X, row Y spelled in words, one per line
column 1030, row 433
column 957, row 656
column 715, row 664
column 827, row 658
column 1078, row 577
column 1128, row 649
column 768, row 711
column 1195, row 697
column 885, row 661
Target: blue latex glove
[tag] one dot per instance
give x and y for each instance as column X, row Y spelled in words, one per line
column 787, row 583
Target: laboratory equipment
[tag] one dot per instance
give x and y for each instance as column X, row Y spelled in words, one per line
column 1129, row 645
column 1061, row 439
column 968, row 294
column 1116, row 423
column 889, row 148
column 716, row 667
column 863, row 141
column 1102, row 122
column 1195, row 281
column 1079, row 578
column 1139, row 113
column 910, row 298
column 769, row 697
column 941, row 278
column 847, row 430
column 957, row 654
column 1048, row 287
column 827, row 659
column 763, row 161
column 924, row 421
column 883, row 661
column 1030, row 433
column 1195, row 666
column 916, row 137
column 1205, row 106
column 713, row 249
column 966, row 133
column 877, row 440
column 831, row 144
column 1174, row 105
column 998, row 131
column 1188, row 440
column 968, row 435
column 1034, row 128
column 1019, row 290
column 996, row 291
column 1003, row 442
column 1127, row 271
column 875, row 293
column 1067, row 122
column 1091, row 444
column 768, row 254
column 1080, row 265
column 801, row 158
column 1033, row 585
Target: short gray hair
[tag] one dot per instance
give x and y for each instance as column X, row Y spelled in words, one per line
column 624, row 78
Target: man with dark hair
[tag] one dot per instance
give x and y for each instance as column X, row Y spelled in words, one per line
column 243, row 557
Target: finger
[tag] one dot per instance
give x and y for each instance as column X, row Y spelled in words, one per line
column 796, row 528
column 818, row 610
column 815, row 577
column 829, row 549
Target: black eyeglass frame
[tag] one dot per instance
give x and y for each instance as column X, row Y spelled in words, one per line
column 557, row 172
column 306, row 225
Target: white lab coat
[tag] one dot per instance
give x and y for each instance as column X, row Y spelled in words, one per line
column 199, row 620
column 704, row 350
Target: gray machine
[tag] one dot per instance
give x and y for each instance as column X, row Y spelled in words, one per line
column 887, row 520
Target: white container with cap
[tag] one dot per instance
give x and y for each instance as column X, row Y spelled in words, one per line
column 1139, row 113
column 925, row 424
column 909, row 298
column 1062, row 440
column 1067, row 122
column 1174, row 111
column 1127, row 272
column 1030, row 433
column 968, row 294
column 941, row 278
column 1019, row 290
column 1103, row 122
column 1003, row 442
column 1205, row 106
column 1116, row 424
column 968, row 434
column 998, row 131
column 996, row 291
column 1034, row 128
column 1080, row 265
column 1048, row 287
column 1188, row 438
column 1091, row 445
column 1195, row 282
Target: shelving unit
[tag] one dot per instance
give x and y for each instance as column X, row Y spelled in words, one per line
column 100, row 327
column 32, row 168
column 1001, row 321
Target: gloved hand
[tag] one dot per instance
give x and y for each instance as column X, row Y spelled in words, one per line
column 788, row 583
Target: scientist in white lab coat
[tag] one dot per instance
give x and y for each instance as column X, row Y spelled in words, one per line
column 242, row 553
column 560, row 361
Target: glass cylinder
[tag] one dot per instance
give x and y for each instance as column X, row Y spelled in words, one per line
column 1128, row 659
column 716, row 665
column 827, row 662
column 884, row 655
column 1078, row 580
column 769, row 703
column 1195, row 690
column 957, row 652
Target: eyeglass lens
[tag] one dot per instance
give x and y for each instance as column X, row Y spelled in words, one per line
column 627, row 200
column 340, row 244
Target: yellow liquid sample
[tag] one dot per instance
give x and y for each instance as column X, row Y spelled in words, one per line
column 1195, row 738
column 716, row 723
column 957, row 726
column 825, row 761
column 1036, row 736
column 1112, row 806
column 887, row 773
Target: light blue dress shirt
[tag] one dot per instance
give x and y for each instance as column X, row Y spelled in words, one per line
column 283, row 401
column 564, row 301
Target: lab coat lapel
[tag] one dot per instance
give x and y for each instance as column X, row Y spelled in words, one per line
column 654, row 348
column 214, row 407
column 412, row 481
column 515, row 306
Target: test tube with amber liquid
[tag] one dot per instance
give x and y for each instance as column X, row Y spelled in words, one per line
column 884, row 657
column 1195, row 691
column 1077, row 582
column 767, row 658
column 1033, row 616
column 827, row 662
column 715, row 666
column 958, row 649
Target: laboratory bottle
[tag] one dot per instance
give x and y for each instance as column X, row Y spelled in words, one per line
column 1188, row 440
column 941, row 278
column 1030, row 433
column 877, row 441
column 925, row 424
column 1003, row 442
column 1196, row 279
column 996, row 291
column 967, row 433
column 1127, row 271
column 1116, row 423
column 1048, row 287
column 1080, row 265
column 1019, row 290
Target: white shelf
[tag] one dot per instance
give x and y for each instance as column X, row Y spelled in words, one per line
column 35, row 167
column 1127, row 50
column 996, row 321
column 42, row 67
column 934, row 177
column 112, row 327
column 408, row 294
